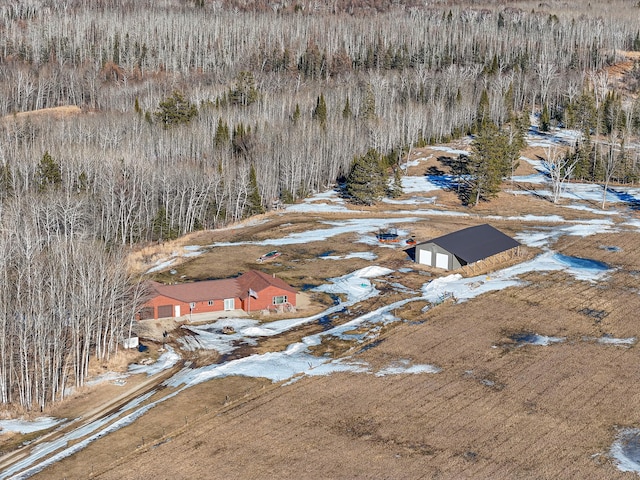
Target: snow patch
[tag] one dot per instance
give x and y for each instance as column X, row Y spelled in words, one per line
column 167, row 360
column 404, row 366
column 608, row 340
column 626, row 450
column 535, row 339
column 28, row 426
column 363, row 255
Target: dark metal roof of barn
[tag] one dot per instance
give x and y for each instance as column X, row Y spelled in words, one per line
column 475, row 243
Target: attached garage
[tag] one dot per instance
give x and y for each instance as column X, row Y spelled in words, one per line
column 464, row 247
column 146, row 313
column 165, row 311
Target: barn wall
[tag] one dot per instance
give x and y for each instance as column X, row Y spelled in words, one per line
column 453, row 262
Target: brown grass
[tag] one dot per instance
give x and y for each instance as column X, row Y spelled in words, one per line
column 494, row 411
column 45, row 113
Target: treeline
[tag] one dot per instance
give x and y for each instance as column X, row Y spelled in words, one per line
column 63, row 299
column 607, row 149
column 198, row 114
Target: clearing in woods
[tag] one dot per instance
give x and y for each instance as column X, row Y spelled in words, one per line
column 496, row 407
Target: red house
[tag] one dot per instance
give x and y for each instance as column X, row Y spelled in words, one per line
column 250, row 292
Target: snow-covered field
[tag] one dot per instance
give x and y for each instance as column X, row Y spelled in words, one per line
column 297, row 360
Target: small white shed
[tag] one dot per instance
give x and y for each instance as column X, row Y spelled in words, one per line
column 131, row 342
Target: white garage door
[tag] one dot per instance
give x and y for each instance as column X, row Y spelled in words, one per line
column 424, row 257
column 442, row 261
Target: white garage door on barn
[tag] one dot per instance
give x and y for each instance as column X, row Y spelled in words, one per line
column 442, row 261
column 424, row 257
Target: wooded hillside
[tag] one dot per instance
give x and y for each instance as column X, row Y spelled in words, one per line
column 197, row 114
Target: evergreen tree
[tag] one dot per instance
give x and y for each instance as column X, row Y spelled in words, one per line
column 569, row 114
column 582, row 155
column 286, row 196
column 508, row 100
column 242, row 140
column 176, row 110
column 635, row 117
column 254, row 200
column 116, row 49
column 346, row 111
column 244, row 92
column 48, row 173
column 598, row 162
column 483, row 114
column 161, row 229
column 368, row 110
column 296, row 114
column 395, row 189
column 492, row 69
column 612, row 115
column 585, row 112
column 82, row 184
column 221, row 138
column 6, row 181
column 515, row 137
column 320, row 111
column 313, row 62
column 545, row 119
column 367, row 181
column 494, row 152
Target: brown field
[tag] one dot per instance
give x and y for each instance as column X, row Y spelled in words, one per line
column 63, row 111
column 494, row 411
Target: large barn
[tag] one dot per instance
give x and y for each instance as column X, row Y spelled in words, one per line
column 251, row 291
column 464, row 247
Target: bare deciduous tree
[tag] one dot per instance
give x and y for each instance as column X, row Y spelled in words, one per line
column 560, row 167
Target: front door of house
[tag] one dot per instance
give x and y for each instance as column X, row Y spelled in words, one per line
column 229, row 304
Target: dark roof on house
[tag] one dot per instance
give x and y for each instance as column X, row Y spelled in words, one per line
column 475, row 243
column 221, row 289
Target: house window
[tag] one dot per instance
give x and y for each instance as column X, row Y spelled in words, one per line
column 280, row 299
column 211, row 303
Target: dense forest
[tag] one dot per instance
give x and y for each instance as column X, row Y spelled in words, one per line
column 196, row 114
